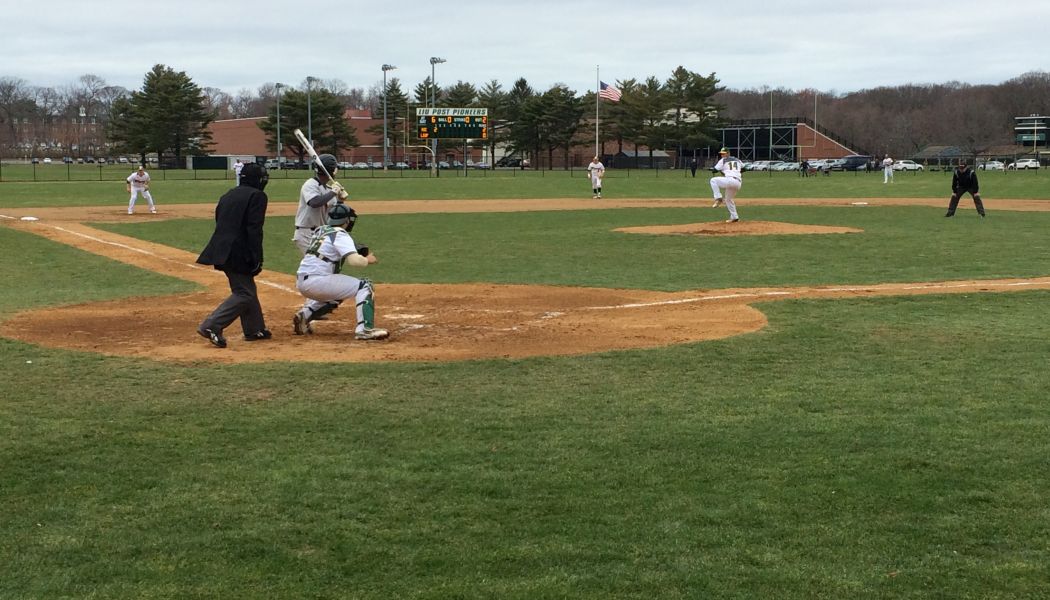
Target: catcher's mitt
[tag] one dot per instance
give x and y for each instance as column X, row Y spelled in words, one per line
column 362, row 250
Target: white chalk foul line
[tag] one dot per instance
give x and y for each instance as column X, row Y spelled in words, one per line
column 7, row 217
column 689, row 300
column 155, row 255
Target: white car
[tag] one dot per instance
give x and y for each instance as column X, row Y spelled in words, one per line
column 361, row 165
column 760, row 165
column 907, row 165
column 47, row 161
column 1024, row 164
column 992, row 165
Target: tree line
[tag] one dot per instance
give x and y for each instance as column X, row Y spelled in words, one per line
column 170, row 114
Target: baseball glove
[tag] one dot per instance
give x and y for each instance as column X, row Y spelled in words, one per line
column 362, row 250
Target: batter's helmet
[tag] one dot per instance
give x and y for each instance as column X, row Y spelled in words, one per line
column 342, row 214
column 329, row 163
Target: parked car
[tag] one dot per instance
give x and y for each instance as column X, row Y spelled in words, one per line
column 854, row 162
column 760, row 165
column 992, row 165
column 360, row 165
column 508, row 161
column 123, row 160
column 401, row 165
column 787, row 166
column 344, row 165
column 907, row 165
column 443, row 164
column 482, row 165
column 67, row 159
column 1024, row 164
column 47, row 161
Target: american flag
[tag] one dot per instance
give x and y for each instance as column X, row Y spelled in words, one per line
column 609, row 92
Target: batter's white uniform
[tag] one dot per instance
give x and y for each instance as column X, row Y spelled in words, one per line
column 309, row 218
column 319, row 279
column 730, row 181
column 887, row 170
column 139, row 182
column 597, row 172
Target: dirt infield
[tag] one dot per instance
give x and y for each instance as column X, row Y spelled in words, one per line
column 427, row 322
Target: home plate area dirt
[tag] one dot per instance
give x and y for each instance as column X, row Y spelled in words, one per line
column 427, row 322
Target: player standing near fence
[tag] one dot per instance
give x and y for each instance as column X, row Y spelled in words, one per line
column 597, row 172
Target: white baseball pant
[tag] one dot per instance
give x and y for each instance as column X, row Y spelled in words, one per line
column 323, row 289
column 731, row 185
column 134, row 196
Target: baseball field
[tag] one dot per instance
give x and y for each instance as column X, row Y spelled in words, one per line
column 843, row 395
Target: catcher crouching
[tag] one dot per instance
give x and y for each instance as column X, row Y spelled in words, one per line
column 320, row 280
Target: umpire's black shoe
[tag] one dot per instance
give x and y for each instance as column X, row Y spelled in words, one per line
column 213, row 336
column 258, row 335
column 950, row 215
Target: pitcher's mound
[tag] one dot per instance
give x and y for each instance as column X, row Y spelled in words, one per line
column 738, row 228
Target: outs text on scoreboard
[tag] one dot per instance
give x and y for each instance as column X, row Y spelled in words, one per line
column 442, row 123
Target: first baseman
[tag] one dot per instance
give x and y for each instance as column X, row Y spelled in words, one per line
column 138, row 183
column 730, row 181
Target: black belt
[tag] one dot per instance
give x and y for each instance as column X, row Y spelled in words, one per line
column 297, row 227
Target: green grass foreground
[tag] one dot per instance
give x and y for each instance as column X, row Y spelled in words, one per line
column 875, row 448
column 179, row 188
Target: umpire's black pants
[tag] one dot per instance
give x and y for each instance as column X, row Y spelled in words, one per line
column 243, row 303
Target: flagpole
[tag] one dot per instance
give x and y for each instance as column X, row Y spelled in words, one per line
column 597, row 90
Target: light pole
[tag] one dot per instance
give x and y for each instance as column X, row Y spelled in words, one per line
column 386, row 139
column 278, row 86
column 309, row 111
column 433, row 104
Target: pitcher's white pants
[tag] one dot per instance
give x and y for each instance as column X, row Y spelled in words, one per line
column 731, row 186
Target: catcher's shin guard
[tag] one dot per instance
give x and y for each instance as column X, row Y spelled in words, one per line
column 365, row 305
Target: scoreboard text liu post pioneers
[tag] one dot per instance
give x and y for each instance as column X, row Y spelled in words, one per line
column 442, row 123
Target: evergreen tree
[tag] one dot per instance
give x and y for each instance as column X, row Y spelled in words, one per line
column 169, row 116
column 331, row 131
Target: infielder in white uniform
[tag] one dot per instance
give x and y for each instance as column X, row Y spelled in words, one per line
column 597, row 172
column 887, row 169
column 237, row 166
column 138, row 183
column 319, row 277
column 730, row 181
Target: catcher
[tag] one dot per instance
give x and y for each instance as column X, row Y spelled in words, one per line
column 320, row 280
column 138, row 183
column 964, row 179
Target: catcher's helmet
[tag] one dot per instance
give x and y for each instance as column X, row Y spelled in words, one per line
column 342, row 214
column 329, row 163
column 255, row 175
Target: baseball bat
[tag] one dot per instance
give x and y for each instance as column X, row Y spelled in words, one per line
column 310, row 150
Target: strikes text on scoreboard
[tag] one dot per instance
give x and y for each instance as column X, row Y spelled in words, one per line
column 452, row 123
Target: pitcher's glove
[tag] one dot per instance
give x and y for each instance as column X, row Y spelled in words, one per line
column 362, row 250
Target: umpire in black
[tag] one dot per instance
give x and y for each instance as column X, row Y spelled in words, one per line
column 964, row 179
column 236, row 248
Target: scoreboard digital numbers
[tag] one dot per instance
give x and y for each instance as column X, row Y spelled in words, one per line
column 446, row 123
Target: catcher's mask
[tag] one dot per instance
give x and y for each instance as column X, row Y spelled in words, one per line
column 340, row 215
column 255, row 175
column 329, row 163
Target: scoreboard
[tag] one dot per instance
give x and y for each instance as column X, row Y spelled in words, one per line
column 444, row 123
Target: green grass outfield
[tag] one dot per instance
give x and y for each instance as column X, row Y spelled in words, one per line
column 866, row 448
column 509, row 184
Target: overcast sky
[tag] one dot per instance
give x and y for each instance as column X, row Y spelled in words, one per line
column 830, row 45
